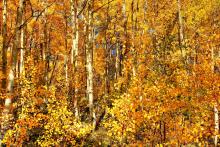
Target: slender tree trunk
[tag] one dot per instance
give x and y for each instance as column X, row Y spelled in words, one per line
column 124, row 9
column 181, row 37
column 216, row 125
column 74, row 54
column 45, row 49
column 10, row 88
column 89, row 61
column 4, row 57
column 107, row 54
column 117, row 59
column 4, row 46
column 21, row 65
column 15, row 51
column 216, row 117
column 118, row 52
column 22, row 47
column 134, row 32
column 124, row 42
column 49, row 57
column 66, row 56
column 76, row 59
column 132, row 39
column 145, row 11
column 66, row 71
column 73, row 29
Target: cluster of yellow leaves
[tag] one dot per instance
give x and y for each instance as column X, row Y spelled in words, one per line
column 62, row 127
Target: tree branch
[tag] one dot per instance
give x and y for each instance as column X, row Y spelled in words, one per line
column 94, row 11
column 84, row 6
column 32, row 16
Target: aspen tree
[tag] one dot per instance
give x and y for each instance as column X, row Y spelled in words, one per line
column 22, row 48
column 74, row 52
column 76, row 58
column 4, row 54
column 89, row 61
column 216, row 113
column 132, row 38
column 11, row 78
column 181, row 37
column 66, row 56
column 107, row 53
column 4, row 46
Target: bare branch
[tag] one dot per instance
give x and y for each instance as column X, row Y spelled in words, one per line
column 32, row 16
column 83, row 8
column 94, row 11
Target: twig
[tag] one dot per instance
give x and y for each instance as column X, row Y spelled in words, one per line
column 84, row 6
column 102, row 6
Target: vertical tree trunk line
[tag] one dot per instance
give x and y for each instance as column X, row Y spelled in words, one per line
column 107, row 54
column 45, row 49
column 181, row 36
column 133, row 49
column 66, row 56
column 4, row 45
column 74, row 55
column 76, row 61
column 22, row 50
column 22, row 47
column 118, row 51
column 124, row 43
column 10, row 88
column 216, row 113
column 4, row 58
column 89, row 61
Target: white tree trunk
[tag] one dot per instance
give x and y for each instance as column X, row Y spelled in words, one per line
column 74, row 53
column 133, row 49
column 89, row 62
column 66, row 70
column 21, row 66
column 45, row 48
column 216, row 125
column 181, row 37
column 14, row 52
column 124, row 9
column 117, row 59
column 10, row 88
column 216, row 118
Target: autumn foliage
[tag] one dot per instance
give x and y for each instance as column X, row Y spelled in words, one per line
column 110, row 72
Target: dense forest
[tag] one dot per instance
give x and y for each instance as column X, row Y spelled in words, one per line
column 109, row 73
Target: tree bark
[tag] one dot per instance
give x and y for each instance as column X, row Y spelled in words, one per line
column 181, row 37
column 22, row 47
column 66, row 56
column 10, row 88
column 4, row 46
column 117, row 59
column 107, row 54
column 45, row 47
column 74, row 53
column 145, row 11
column 89, row 61
column 124, row 42
column 216, row 117
column 216, row 125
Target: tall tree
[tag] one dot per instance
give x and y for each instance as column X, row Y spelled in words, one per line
column 216, row 113
column 107, row 53
column 13, row 63
column 4, row 45
column 89, row 60
column 181, row 37
column 74, row 52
